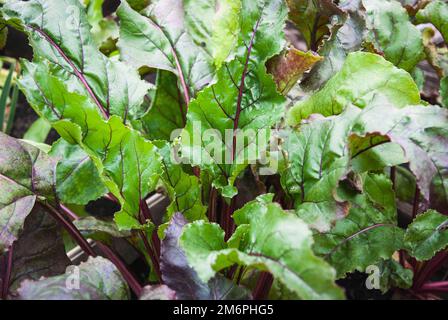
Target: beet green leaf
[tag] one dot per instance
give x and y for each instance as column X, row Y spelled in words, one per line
column 268, row 239
column 26, row 174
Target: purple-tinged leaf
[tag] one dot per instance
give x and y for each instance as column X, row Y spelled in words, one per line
column 158, row 292
column 39, row 251
column 26, row 173
column 95, row 279
column 180, row 277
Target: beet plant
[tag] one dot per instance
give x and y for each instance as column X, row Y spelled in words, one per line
column 296, row 141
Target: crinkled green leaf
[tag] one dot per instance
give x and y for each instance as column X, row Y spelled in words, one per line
column 347, row 35
column 214, row 25
column 26, row 174
column 77, row 178
column 277, row 242
column 392, row 33
column 99, row 279
column 312, row 18
column 157, row 38
column 420, row 131
column 427, row 235
column 180, row 277
column 39, row 251
column 368, row 234
column 394, row 275
column 318, row 159
column 183, row 189
column 75, row 55
column 128, row 164
column 243, row 100
column 436, row 12
column 364, row 79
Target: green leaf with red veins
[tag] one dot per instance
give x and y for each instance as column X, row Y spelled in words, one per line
column 420, row 131
column 128, row 164
column 213, row 25
column 77, row 178
column 75, row 55
column 275, row 241
column 157, row 38
column 167, row 110
column 427, row 235
column 243, row 100
column 318, row 159
column 365, row 79
column 371, row 226
column 26, row 174
column 392, row 33
column 184, row 189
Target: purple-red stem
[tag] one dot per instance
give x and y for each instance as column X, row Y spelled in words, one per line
column 263, row 286
column 7, row 274
column 154, row 250
column 151, row 252
column 110, row 254
column 416, row 202
column 429, row 269
column 228, row 221
column 441, row 286
column 241, row 90
column 71, row 229
column 212, row 205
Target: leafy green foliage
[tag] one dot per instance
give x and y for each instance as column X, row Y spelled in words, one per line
column 192, row 100
column 267, row 238
column 436, row 13
column 99, row 279
column 77, row 178
column 365, row 79
column 21, row 184
column 312, row 18
column 371, row 226
column 168, row 48
column 393, row 275
column 427, row 235
column 393, row 34
column 75, row 57
column 183, row 279
column 243, row 99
